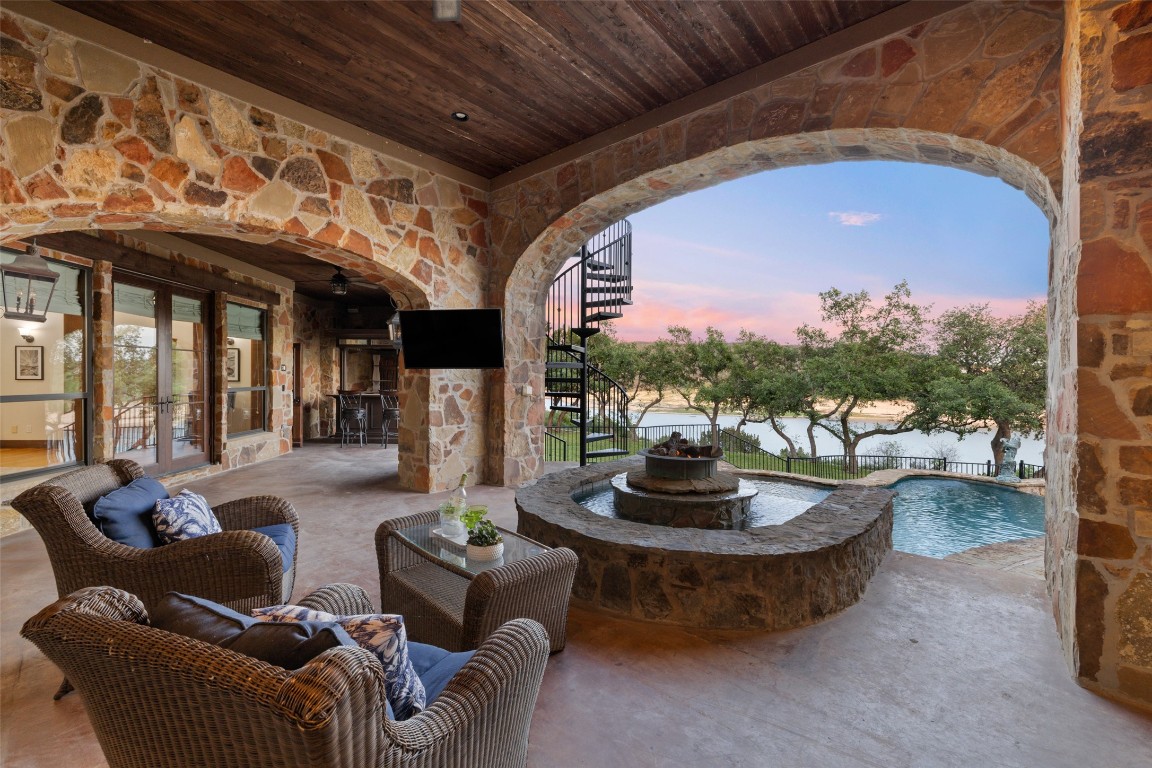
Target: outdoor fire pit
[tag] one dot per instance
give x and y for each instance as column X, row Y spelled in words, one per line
column 680, row 487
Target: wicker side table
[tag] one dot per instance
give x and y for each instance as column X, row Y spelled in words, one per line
column 454, row 602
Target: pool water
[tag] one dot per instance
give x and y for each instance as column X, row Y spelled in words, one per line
column 935, row 517
column 938, row 517
column 776, row 502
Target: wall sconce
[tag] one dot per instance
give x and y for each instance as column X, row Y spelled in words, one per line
column 26, row 274
column 26, row 334
column 231, row 341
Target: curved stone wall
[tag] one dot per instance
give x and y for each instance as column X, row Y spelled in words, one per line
column 772, row 578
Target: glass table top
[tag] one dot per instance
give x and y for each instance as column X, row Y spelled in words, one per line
column 453, row 550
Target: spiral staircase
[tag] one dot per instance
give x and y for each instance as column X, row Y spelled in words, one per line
column 584, row 402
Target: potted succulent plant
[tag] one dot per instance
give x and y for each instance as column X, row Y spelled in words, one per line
column 485, row 542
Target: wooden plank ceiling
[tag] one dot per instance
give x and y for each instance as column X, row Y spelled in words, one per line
column 533, row 77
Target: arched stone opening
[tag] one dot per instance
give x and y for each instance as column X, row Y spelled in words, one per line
column 1055, row 86
column 413, row 386
column 532, row 276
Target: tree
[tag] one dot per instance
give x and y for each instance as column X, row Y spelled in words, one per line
column 999, row 370
column 765, row 384
column 877, row 353
column 646, row 371
column 704, row 368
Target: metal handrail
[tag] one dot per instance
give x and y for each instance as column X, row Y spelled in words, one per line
column 747, row 455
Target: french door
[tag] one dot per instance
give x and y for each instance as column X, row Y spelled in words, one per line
column 160, row 382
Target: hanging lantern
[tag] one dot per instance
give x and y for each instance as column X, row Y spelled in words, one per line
column 339, row 283
column 28, row 284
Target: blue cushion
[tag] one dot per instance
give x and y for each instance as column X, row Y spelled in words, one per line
column 285, row 538
column 290, row 646
column 185, row 516
column 125, row 515
column 435, row 666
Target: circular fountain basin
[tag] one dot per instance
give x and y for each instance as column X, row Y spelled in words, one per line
column 771, row 578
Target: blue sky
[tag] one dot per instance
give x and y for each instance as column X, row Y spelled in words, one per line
column 755, row 252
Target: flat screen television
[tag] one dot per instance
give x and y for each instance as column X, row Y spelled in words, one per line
column 452, row 338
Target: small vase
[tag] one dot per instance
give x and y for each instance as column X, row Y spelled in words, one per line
column 493, row 552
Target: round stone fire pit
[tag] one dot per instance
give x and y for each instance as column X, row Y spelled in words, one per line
column 772, row 578
column 679, row 467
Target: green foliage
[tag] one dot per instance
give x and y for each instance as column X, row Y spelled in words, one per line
column 734, row 440
column 473, row 515
column 997, row 370
column 484, row 534
column 134, row 366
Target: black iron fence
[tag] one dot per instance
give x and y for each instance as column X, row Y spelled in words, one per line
column 747, row 454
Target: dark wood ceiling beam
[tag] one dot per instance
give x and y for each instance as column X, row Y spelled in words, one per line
column 141, row 263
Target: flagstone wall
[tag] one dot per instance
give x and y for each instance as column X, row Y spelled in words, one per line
column 1100, row 519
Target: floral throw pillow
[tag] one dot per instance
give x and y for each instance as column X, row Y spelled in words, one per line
column 384, row 635
column 184, row 516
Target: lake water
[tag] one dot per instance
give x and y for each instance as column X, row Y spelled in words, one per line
column 975, row 447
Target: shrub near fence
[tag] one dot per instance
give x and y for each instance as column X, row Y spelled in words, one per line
column 744, row 454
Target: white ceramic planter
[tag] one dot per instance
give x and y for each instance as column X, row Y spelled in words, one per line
column 494, row 552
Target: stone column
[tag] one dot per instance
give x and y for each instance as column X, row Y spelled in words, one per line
column 1101, row 548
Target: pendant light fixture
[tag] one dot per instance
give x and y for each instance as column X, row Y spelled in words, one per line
column 28, row 285
column 339, row 283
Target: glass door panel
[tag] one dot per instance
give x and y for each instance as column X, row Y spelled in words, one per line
column 160, row 386
column 188, row 405
column 135, row 374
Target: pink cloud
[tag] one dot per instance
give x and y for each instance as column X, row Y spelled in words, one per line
column 773, row 315
column 855, row 218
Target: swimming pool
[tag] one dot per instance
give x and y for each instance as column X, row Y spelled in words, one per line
column 932, row 516
column 939, row 517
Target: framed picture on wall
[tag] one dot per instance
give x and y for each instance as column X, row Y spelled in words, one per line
column 29, row 363
column 232, row 364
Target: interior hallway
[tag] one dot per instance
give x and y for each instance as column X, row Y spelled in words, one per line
column 941, row 663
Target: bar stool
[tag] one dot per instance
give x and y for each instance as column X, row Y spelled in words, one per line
column 353, row 417
column 389, row 417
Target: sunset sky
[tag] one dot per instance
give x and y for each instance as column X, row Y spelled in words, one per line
column 755, row 252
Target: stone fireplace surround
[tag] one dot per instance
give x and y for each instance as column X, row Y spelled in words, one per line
column 773, row 578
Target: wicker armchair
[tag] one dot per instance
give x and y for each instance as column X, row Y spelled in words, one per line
column 236, row 567
column 159, row 700
column 451, row 608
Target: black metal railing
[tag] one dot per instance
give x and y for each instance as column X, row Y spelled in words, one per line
column 134, row 422
column 746, row 454
column 555, row 447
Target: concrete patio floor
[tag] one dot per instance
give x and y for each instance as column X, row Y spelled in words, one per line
column 941, row 664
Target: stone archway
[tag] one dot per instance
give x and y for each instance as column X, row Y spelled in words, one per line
column 974, row 89
column 1053, row 90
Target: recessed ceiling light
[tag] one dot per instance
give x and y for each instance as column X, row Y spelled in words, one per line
column 460, row 116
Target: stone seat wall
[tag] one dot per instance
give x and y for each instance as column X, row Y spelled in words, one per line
column 772, row 578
